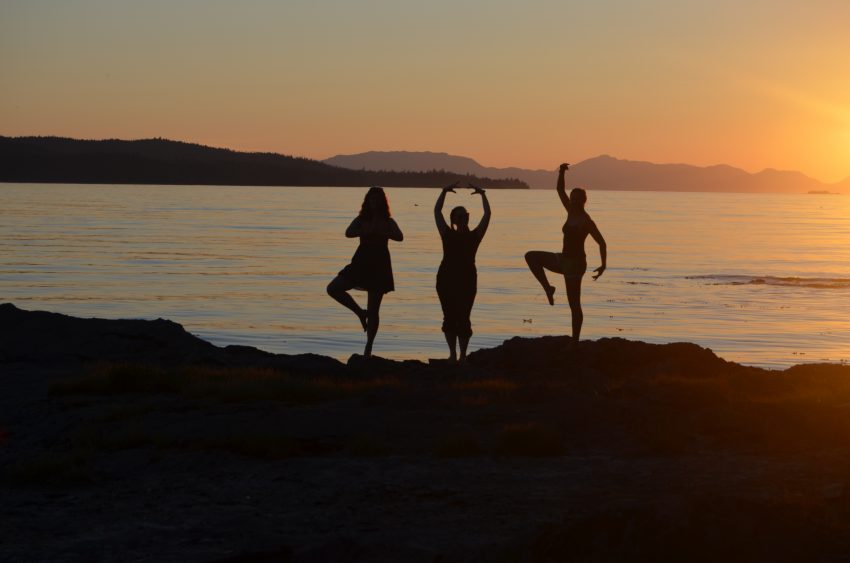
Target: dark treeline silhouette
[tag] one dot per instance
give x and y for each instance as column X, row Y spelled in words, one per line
column 161, row 161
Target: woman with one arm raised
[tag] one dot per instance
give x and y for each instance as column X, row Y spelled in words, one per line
column 457, row 278
column 572, row 261
column 371, row 268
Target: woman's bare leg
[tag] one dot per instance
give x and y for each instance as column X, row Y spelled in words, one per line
column 537, row 260
column 451, row 340
column 338, row 289
column 574, row 298
column 373, row 319
column 464, row 344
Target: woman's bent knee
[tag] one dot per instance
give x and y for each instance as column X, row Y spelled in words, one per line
column 333, row 287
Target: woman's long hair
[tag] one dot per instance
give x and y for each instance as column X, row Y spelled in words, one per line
column 383, row 212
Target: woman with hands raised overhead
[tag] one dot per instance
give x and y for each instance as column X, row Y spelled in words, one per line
column 457, row 278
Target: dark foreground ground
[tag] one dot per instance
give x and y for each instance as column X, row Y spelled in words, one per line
column 135, row 441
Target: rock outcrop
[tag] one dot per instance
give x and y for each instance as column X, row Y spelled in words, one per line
column 40, row 337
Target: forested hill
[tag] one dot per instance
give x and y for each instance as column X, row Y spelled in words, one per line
column 160, row 161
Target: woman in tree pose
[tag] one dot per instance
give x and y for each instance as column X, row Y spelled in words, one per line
column 457, row 278
column 572, row 261
column 370, row 269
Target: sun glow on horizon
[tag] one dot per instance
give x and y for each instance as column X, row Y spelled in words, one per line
column 756, row 85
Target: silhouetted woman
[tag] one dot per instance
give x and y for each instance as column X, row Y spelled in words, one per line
column 457, row 278
column 571, row 262
column 371, row 269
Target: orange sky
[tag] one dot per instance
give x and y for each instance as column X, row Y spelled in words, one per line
column 510, row 84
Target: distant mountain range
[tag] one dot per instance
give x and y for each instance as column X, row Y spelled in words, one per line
column 160, row 161
column 605, row 173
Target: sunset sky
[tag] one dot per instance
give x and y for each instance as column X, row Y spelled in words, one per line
column 753, row 84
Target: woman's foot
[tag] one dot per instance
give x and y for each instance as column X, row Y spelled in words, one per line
column 363, row 316
column 550, row 294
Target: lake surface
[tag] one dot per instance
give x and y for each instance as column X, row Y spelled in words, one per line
column 760, row 279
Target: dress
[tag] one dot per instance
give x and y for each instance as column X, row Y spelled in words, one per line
column 371, row 268
column 573, row 259
column 457, row 280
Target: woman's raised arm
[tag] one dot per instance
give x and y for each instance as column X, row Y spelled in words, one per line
column 438, row 208
column 481, row 229
column 562, row 187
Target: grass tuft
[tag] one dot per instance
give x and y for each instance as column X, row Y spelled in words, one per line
column 491, row 385
column 367, row 446
column 529, row 440
column 225, row 384
column 263, row 446
column 268, row 446
column 459, row 446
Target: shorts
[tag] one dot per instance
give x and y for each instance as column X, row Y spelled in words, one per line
column 572, row 267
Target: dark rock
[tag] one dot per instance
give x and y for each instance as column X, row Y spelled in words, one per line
column 376, row 366
column 43, row 338
column 552, row 355
column 52, row 339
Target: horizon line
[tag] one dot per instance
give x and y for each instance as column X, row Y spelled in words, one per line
column 602, row 155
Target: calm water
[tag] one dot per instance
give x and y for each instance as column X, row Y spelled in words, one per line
column 760, row 279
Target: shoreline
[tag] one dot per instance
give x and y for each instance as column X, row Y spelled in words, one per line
column 130, row 440
column 77, row 340
column 624, row 190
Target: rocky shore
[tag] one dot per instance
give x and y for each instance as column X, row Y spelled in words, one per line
column 130, row 440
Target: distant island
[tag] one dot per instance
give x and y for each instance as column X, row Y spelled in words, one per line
column 605, row 173
column 424, row 160
column 161, row 161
